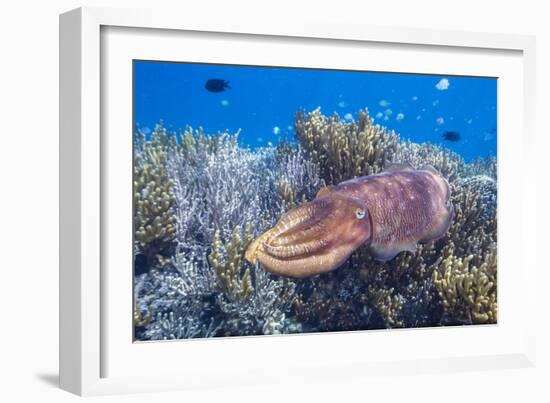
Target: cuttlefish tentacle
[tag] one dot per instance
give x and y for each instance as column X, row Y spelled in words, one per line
column 390, row 212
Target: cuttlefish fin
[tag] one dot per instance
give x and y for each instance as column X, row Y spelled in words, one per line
column 395, row 167
column 441, row 224
column 431, row 169
column 386, row 252
column 325, row 190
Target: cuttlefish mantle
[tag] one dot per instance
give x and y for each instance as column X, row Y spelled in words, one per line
column 390, row 212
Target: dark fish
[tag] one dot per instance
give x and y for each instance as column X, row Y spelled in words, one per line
column 451, row 136
column 216, row 85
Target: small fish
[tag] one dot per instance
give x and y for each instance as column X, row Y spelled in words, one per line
column 216, row 85
column 451, row 136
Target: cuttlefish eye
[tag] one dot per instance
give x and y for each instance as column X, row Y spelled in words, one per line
column 360, row 214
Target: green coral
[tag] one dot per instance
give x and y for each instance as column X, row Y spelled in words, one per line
column 154, row 214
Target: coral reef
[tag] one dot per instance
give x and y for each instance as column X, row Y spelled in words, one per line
column 450, row 164
column 344, row 150
column 297, row 179
column 482, row 166
column 200, row 199
column 467, row 285
column 223, row 196
column 227, row 260
column 154, row 214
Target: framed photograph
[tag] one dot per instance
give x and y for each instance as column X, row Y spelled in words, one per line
column 237, row 197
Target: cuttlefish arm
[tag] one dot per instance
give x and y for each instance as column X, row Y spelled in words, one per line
column 313, row 238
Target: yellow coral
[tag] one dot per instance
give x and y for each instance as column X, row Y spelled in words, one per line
column 467, row 285
column 139, row 319
column 228, row 262
column 154, row 217
column 387, row 303
column 345, row 150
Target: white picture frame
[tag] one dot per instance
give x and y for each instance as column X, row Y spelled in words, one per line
column 89, row 352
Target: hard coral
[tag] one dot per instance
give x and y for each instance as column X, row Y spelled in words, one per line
column 450, row 164
column 468, row 285
column 154, row 215
column 227, row 259
column 344, row 150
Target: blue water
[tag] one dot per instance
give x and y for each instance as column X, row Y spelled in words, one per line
column 262, row 102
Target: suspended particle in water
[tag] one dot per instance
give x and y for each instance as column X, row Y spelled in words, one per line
column 442, row 84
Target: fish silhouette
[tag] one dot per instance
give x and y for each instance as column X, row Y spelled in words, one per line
column 451, row 136
column 216, row 85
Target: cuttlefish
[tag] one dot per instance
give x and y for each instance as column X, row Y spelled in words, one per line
column 389, row 212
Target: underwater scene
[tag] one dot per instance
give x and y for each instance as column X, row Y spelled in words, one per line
column 274, row 200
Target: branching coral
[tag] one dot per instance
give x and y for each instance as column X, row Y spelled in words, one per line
column 482, row 166
column 344, row 150
column 228, row 263
column 218, row 188
column 154, row 216
column 388, row 304
column 252, row 302
column 474, row 225
column 450, row 164
column 265, row 309
column 297, row 178
column 175, row 325
column 219, row 185
column 465, row 274
column 468, row 285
